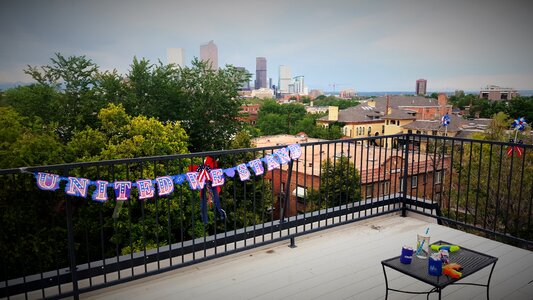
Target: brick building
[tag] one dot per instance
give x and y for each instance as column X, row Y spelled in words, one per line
column 379, row 169
column 249, row 113
column 496, row 93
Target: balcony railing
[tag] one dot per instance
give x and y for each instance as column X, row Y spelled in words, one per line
column 55, row 245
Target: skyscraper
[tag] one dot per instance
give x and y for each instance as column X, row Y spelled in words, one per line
column 260, row 73
column 421, row 85
column 209, row 53
column 299, row 86
column 176, row 56
column 284, row 79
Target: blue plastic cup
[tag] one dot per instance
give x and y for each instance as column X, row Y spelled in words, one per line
column 407, row 255
column 435, row 265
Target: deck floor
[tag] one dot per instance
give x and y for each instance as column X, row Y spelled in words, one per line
column 338, row 263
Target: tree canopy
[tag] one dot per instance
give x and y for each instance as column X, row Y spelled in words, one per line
column 274, row 118
column 71, row 91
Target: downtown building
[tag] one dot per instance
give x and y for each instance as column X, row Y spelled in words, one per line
column 285, row 79
column 209, row 53
column 496, row 93
column 421, row 87
column 261, row 73
column 176, row 56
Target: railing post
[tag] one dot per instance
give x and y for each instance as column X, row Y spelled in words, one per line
column 287, row 191
column 404, row 175
column 71, row 253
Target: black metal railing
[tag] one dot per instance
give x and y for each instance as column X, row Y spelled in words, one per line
column 56, row 246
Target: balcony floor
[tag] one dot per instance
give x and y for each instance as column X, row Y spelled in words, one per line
column 338, row 263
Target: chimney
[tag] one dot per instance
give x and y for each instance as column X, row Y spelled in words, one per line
column 333, row 113
column 371, row 103
column 443, row 100
column 387, row 109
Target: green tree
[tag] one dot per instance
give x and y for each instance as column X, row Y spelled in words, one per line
column 323, row 100
column 211, row 104
column 521, row 107
column 36, row 100
column 275, row 118
column 339, row 185
column 153, row 90
column 272, row 124
column 27, row 143
column 487, row 187
column 74, row 77
column 123, row 136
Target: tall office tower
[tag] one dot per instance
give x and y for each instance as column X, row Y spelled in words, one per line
column 176, row 56
column 209, row 53
column 284, row 79
column 421, row 85
column 260, row 73
column 299, row 86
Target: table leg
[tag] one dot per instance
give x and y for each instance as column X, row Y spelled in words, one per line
column 386, row 282
column 490, row 276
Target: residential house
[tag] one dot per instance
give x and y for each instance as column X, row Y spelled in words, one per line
column 386, row 115
column 379, row 168
column 249, row 113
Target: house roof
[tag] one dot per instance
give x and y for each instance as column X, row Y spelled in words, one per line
column 398, row 114
column 356, row 114
column 399, row 101
column 399, row 109
column 455, row 125
column 383, row 172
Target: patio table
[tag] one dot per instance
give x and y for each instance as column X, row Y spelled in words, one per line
column 471, row 261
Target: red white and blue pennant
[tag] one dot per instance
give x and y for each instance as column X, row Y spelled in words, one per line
column 146, row 188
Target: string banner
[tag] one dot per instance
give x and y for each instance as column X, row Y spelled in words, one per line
column 164, row 185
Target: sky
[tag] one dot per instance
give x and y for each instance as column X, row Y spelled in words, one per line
column 368, row 45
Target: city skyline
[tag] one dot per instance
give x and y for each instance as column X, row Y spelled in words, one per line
column 364, row 45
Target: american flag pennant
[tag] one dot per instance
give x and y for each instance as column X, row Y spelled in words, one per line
column 204, row 173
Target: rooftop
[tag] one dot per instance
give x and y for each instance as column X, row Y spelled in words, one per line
column 456, row 123
column 174, row 246
column 374, row 110
column 364, row 157
column 338, row 263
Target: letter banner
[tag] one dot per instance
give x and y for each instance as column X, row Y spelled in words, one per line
column 165, row 185
column 122, row 190
column 244, row 174
column 100, row 193
column 194, row 183
column 218, row 177
column 295, row 150
column 257, row 166
column 282, row 155
column 271, row 163
column 77, row 187
column 146, row 188
column 47, row 182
